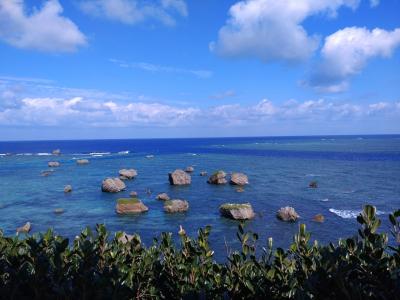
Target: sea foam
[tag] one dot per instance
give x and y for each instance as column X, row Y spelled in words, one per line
column 349, row 213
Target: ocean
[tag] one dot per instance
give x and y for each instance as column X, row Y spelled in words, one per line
column 351, row 171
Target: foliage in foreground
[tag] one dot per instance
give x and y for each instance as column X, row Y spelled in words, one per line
column 98, row 267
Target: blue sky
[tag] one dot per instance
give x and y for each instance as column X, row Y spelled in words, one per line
column 185, row 68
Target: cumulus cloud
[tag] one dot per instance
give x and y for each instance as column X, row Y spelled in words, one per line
column 272, row 30
column 45, row 29
column 154, row 68
column 135, row 11
column 86, row 113
column 346, row 52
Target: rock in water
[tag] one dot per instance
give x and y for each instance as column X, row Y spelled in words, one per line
column 217, row 178
column 53, row 164
column 81, row 162
column 179, row 177
column 113, row 185
column 59, row 211
column 189, row 169
column 130, row 206
column 313, row 184
column 68, row 189
column 176, row 206
column 287, row 214
column 239, row 179
column 240, row 190
column 127, row 174
column 56, row 152
column 133, row 194
column 203, row 173
column 125, row 238
column 46, row 173
column 237, row 211
column 163, row 197
column 24, row 229
column 319, row 218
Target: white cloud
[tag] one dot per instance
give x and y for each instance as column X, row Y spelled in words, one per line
column 161, row 69
column 347, row 51
column 80, row 112
column 272, row 30
column 45, row 29
column 374, row 3
column 135, row 11
column 179, row 5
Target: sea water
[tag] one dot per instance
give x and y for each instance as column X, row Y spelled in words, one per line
column 351, row 171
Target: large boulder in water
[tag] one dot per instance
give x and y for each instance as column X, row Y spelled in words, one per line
column 81, row 162
column 127, row 174
column 239, row 179
column 53, row 164
column 125, row 238
column 68, row 189
column 56, row 152
column 130, row 206
column 313, row 184
column 179, row 177
column 163, row 197
column 176, row 206
column 319, row 218
column 217, row 178
column 287, row 214
column 112, row 185
column 189, row 169
column 237, row 211
column 24, row 229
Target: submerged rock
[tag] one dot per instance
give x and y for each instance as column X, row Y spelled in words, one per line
column 319, row 218
column 189, row 169
column 313, row 184
column 240, row 190
column 163, row 197
column 113, row 185
column 175, row 206
column 130, row 206
column 46, row 173
column 217, row 178
column 203, row 173
column 81, row 162
column 179, row 177
column 24, row 229
column 287, row 214
column 53, row 164
column 56, row 152
column 239, row 179
column 237, row 211
column 127, row 174
column 68, row 189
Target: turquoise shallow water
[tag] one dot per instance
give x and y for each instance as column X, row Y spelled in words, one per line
column 351, row 171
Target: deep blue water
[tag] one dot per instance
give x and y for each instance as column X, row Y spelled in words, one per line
column 351, row 171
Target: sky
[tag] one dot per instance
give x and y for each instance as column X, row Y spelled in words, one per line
column 93, row 69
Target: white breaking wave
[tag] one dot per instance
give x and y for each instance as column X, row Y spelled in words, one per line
column 325, row 200
column 43, row 154
column 124, row 152
column 28, row 154
column 350, row 214
column 99, row 153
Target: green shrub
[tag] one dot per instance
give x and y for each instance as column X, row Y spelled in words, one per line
column 97, row 266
